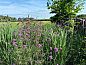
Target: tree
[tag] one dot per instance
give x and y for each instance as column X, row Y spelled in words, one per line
column 64, row 10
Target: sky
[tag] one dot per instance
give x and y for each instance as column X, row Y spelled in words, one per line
column 23, row 8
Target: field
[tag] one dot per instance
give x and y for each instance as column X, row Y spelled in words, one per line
column 40, row 43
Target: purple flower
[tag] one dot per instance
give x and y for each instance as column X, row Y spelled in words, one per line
column 57, row 64
column 20, row 34
column 27, row 31
column 50, row 48
column 28, row 35
column 14, row 43
column 50, row 57
column 55, row 49
column 24, row 46
column 13, row 64
column 14, row 40
column 39, row 45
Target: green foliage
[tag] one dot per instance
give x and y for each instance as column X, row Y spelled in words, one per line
column 64, row 9
column 76, row 44
column 77, row 47
column 69, row 25
column 56, row 37
column 7, row 18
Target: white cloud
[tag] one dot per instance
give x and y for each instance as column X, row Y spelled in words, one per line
column 22, row 8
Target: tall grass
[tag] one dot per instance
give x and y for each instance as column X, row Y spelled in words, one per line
column 41, row 43
column 32, row 44
column 77, row 46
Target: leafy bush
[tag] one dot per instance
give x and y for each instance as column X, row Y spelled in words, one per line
column 76, row 41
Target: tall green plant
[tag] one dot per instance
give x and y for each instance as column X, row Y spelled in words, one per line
column 76, row 43
column 55, row 48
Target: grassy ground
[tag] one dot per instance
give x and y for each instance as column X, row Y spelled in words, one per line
column 17, row 23
column 39, row 43
column 29, row 44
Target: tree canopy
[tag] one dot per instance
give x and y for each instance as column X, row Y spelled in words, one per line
column 64, row 9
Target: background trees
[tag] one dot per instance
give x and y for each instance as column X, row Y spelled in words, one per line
column 7, row 18
column 81, row 16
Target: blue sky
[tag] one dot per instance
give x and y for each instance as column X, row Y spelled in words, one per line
column 21, row 8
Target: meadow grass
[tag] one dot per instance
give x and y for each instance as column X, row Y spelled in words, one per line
column 38, row 43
